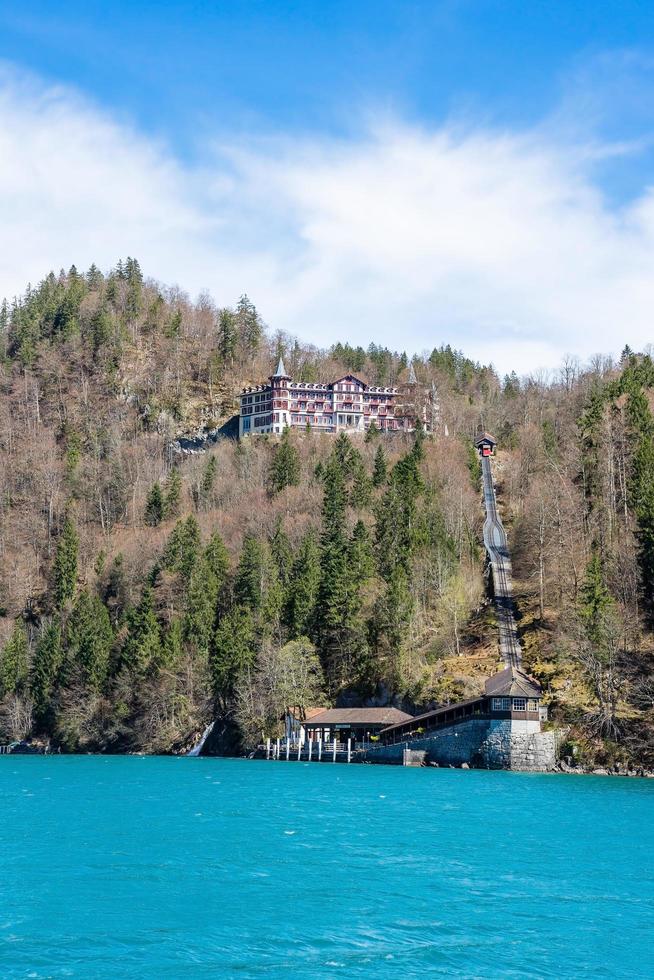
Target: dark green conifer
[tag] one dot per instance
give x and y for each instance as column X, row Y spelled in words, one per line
column 203, row 597
column 14, row 661
column 304, row 587
column 361, row 490
column 94, row 278
column 282, row 555
column 89, row 638
column 64, row 570
column 249, row 326
column 372, row 432
column 47, row 662
column 227, row 337
column 173, row 326
column 380, row 467
column 154, row 506
column 142, row 646
column 233, row 651
column 285, row 466
column 173, row 494
column 360, row 556
column 182, row 548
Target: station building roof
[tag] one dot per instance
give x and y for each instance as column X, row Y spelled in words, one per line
column 512, row 682
column 485, row 439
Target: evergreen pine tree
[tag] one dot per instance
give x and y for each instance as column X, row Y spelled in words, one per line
column 233, row 651
column 14, row 661
column 142, row 646
column 64, row 571
column 208, row 478
column 101, row 329
column 217, row 557
column 390, row 623
column 257, row 584
column 641, row 486
column 285, row 467
column 380, row 468
column 173, row 494
column 361, row 490
column 134, row 295
column 47, row 662
column 89, row 638
column 372, row 432
column 227, row 337
column 249, row 326
column 203, row 597
column 173, row 326
column 396, row 523
column 304, row 587
column 154, row 506
column 94, row 278
column 594, row 595
column 282, row 554
column 182, row 548
column 335, row 625
column 360, row 556
column 250, row 582
column 172, row 646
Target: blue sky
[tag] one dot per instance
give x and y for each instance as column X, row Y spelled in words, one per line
column 472, row 172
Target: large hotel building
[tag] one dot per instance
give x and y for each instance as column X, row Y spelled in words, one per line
column 345, row 404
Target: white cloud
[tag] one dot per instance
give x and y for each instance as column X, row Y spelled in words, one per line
column 498, row 243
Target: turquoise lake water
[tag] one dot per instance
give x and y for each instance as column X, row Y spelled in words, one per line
column 161, row 867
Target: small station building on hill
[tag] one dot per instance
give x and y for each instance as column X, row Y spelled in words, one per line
column 485, row 444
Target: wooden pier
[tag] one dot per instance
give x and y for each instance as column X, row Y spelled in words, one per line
column 310, row 750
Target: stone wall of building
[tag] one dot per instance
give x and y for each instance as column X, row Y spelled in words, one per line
column 449, row 747
column 479, row 743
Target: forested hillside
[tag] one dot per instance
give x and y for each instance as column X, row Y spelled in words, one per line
column 144, row 592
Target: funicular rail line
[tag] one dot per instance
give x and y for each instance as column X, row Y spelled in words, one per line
column 497, row 547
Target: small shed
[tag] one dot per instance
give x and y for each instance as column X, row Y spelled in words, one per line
column 359, row 724
column 485, row 444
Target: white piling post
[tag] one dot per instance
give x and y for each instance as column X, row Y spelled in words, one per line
column 288, row 747
column 334, row 747
column 310, row 748
column 299, row 750
column 319, row 749
column 267, row 748
column 277, row 748
column 349, row 749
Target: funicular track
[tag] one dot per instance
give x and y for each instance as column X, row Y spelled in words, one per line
column 497, row 547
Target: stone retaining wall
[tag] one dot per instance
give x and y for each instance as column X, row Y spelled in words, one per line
column 476, row 742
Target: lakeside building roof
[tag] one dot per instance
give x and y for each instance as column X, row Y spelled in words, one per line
column 432, row 713
column 305, row 714
column 512, row 682
column 360, row 716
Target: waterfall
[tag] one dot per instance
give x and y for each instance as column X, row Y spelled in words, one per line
column 198, row 748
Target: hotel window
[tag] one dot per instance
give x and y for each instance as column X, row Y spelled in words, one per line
column 519, row 704
column 501, row 704
column 246, row 425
